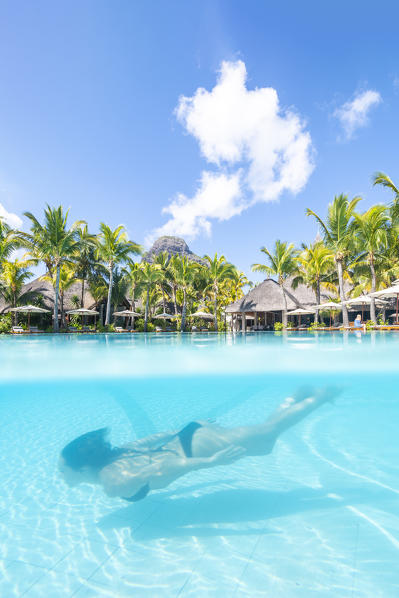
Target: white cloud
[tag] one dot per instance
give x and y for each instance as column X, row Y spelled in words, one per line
column 219, row 197
column 354, row 114
column 12, row 219
column 258, row 149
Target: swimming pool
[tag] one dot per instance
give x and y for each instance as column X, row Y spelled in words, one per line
column 318, row 517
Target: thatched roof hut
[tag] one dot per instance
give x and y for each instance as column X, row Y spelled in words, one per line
column 45, row 288
column 268, row 297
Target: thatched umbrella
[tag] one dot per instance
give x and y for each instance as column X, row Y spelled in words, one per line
column 329, row 306
column 299, row 312
column 164, row 316
column 127, row 313
column 389, row 292
column 29, row 309
column 201, row 314
column 82, row 311
column 364, row 300
column 204, row 315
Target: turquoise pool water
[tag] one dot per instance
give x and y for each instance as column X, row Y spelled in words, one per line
column 319, row 517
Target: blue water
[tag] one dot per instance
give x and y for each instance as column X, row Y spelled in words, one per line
column 318, row 517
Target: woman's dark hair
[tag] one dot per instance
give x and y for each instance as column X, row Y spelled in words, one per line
column 90, row 450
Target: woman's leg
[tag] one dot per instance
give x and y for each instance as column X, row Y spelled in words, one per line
column 260, row 439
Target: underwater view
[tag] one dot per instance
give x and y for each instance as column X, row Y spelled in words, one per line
column 316, row 515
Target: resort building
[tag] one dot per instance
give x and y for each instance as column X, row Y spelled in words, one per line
column 264, row 305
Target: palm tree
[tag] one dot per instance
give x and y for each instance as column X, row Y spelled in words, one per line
column 9, row 241
column 315, row 263
column 218, row 271
column 13, row 276
column 185, row 272
column 151, row 274
column 371, row 231
column 282, row 263
column 170, row 276
column 237, row 283
column 120, row 287
column 113, row 248
column 163, row 260
column 338, row 233
column 134, row 279
column 66, row 280
column 379, row 178
column 98, row 287
column 84, row 259
column 54, row 244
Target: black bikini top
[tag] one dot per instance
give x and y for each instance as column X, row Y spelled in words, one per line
column 142, row 493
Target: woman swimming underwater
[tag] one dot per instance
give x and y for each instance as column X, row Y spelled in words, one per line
column 133, row 470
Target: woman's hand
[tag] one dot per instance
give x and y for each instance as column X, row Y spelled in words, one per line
column 228, row 455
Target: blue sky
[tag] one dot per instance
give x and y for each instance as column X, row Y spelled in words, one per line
column 92, row 115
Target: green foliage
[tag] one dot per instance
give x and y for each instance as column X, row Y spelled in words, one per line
column 290, row 324
column 315, row 325
column 140, row 324
column 369, row 324
column 5, row 323
column 359, row 249
column 106, row 328
column 76, row 321
column 282, row 261
column 381, row 321
column 75, row 301
column 278, row 326
column 112, row 248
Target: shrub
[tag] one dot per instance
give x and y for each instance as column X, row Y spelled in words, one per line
column 369, row 324
column 140, row 326
column 108, row 328
column 278, row 326
column 5, row 323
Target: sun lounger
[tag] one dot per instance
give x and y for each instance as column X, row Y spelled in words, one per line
column 120, row 329
column 72, row 329
column 35, row 330
column 17, row 330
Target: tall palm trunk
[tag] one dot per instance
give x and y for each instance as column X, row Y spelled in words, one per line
column 373, row 289
column 215, row 308
column 111, row 280
column 14, row 304
column 57, row 288
column 174, row 299
column 62, row 310
column 82, row 294
column 132, row 306
column 342, row 292
column 163, row 299
column 183, row 315
column 147, row 305
column 316, row 316
column 285, row 317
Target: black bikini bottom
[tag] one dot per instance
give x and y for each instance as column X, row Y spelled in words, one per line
column 186, row 438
